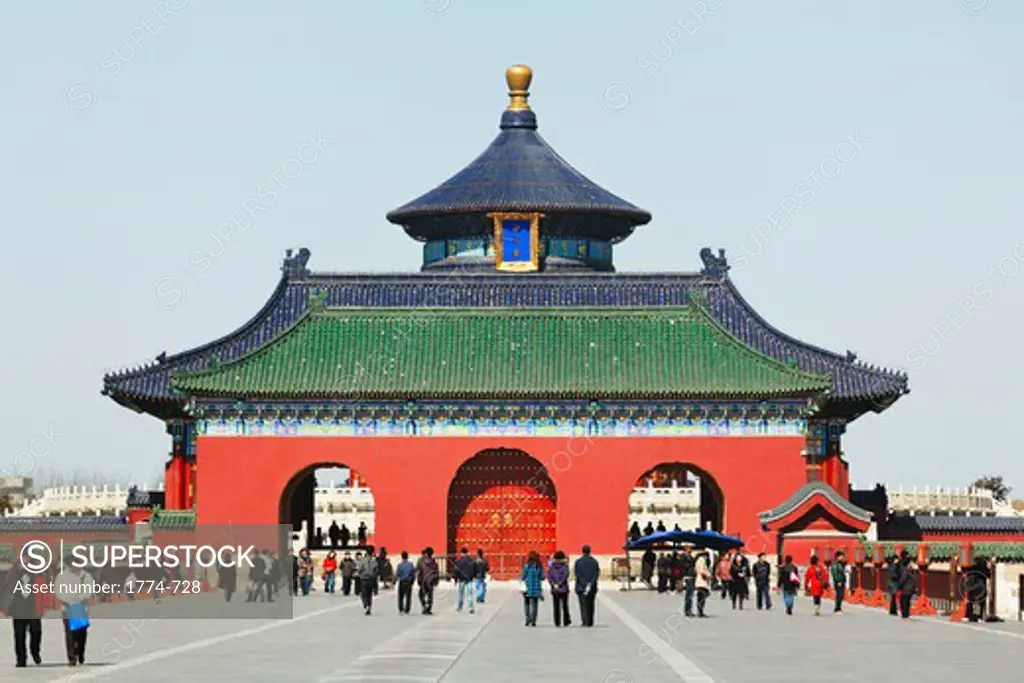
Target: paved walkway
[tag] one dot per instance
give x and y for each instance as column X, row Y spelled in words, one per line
column 640, row 637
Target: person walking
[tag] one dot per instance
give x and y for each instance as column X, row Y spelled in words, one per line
column 330, row 568
column 385, row 571
column 344, row 535
column 789, row 583
column 723, row 572
column 907, row 585
column 558, row 579
column 689, row 580
column 334, row 534
column 74, row 589
column 22, row 600
column 739, row 574
column 405, row 574
column 361, row 534
column 357, row 580
column 227, row 577
column 273, row 577
column 483, row 567
column 762, row 582
column 647, row 563
column 427, row 577
column 815, row 581
column 465, row 572
column 892, row 584
column 368, row 573
column 664, row 572
column 588, row 572
column 702, row 581
column 532, row 578
column 305, row 571
column 837, row 572
column 348, row 569
column 976, row 587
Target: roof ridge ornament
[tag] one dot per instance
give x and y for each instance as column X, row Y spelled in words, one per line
column 295, row 266
column 716, row 267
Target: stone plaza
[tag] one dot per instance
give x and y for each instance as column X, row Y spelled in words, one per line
column 639, row 637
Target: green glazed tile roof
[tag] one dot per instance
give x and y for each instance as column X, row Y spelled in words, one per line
column 481, row 353
column 172, row 519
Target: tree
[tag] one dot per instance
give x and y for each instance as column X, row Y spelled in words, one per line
column 994, row 484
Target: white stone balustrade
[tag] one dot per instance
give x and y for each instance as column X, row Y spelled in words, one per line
column 952, row 501
column 345, row 505
column 669, row 505
column 62, row 501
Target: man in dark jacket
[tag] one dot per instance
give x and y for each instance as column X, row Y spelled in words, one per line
column 892, row 582
column 465, row 572
column 689, row 569
column 368, row 572
column 23, row 602
column 587, row 574
column 405, row 574
column 345, row 535
column 334, row 533
column 427, row 577
column 664, row 572
column 348, row 570
column 647, row 566
column 361, row 534
column 763, row 582
column 482, row 569
column 649, row 529
column 975, row 585
column 634, row 531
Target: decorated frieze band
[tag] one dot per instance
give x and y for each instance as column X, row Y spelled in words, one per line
column 677, row 420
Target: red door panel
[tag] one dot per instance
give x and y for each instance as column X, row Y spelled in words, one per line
column 503, row 502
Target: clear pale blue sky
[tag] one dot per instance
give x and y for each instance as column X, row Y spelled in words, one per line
column 120, row 165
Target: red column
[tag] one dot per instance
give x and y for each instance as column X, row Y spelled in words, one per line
column 177, row 471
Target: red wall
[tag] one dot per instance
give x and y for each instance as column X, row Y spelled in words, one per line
column 242, row 478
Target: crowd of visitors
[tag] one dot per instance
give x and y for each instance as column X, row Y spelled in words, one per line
column 366, row 573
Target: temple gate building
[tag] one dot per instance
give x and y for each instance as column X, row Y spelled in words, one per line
column 512, row 393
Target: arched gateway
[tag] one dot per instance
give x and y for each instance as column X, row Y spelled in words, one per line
column 503, row 502
column 517, row 333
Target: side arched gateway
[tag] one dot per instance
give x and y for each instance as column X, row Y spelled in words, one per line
column 677, row 493
column 504, row 502
column 310, row 506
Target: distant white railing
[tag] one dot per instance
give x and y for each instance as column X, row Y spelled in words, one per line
column 959, row 501
column 62, row 501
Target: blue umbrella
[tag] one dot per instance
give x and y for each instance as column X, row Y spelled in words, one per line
column 701, row 539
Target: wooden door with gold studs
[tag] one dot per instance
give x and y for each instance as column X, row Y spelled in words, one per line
column 502, row 501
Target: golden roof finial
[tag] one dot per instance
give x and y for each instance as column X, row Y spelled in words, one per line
column 518, row 78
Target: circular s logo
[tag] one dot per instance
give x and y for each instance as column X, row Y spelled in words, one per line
column 36, row 557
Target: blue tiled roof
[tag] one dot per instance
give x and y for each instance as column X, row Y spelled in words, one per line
column 853, row 379
column 520, row 171
column 955, row 524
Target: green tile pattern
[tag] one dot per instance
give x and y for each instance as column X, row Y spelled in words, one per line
column 484, row 353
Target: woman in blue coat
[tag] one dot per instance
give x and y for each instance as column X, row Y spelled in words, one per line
column 532, row 578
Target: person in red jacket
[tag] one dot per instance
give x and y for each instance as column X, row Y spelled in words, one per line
column 330, row 569
column 815, row 582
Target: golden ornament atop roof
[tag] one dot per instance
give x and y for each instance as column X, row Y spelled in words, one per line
column 518, row 78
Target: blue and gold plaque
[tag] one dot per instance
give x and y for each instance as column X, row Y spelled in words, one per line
column 517, row 241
